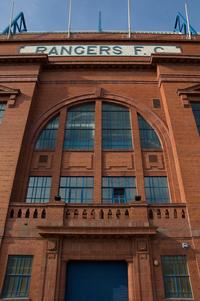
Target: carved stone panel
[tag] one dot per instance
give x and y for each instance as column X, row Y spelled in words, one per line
column 42, row 160
column 78, row 161
column 142, row 245
column 153, row 161
column 118, row 161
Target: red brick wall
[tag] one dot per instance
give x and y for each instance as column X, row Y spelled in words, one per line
column 63, row 235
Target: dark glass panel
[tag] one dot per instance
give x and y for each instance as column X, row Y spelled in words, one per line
column 156, row 189
column 2, row 110
column 196, row 112
column 79, row 129
column 148, row 137
column 76, row 189
column 123, row 187
column 38, row 190
column 47, row 137
column 17, row 279
column 176, row 278
column 116, row 127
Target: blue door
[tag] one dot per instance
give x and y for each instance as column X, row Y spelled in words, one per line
column 96, row 281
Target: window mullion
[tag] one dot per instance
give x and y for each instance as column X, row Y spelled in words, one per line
column 137, row 155
column 57, row 162
column 98, row 152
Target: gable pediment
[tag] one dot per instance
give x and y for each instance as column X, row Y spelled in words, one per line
column 188, row 94
column 193, row 90
column 6, row 91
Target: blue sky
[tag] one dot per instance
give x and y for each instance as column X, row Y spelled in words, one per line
column 147, row 15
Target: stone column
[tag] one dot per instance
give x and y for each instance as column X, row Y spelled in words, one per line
column 144, row 271
column 52, row 258
column 97, row 153
column 138, row 155
column 57, row 162
column 131, row 288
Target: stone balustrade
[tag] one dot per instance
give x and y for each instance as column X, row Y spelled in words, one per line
column 134, row 215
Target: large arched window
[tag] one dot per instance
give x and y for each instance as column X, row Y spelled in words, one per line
column 84, row 174
column 116, row 127
column 148, row 137
column 79, row 129
column 47, row 137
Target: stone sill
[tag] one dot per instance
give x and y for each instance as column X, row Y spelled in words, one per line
column 180, row 299
column 15, row 299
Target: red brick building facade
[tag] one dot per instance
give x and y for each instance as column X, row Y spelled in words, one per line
column 150, row 220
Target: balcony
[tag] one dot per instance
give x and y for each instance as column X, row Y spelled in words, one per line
column 58, row 218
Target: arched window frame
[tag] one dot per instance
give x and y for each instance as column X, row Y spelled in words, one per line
column 133, row 122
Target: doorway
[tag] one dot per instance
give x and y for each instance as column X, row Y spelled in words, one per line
column 96, row 281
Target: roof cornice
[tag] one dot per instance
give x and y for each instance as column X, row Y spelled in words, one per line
column 25, row 58
column 100, row 62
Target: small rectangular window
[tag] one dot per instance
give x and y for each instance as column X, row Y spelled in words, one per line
column 176, row 278
column 156, row 103
column 76, row 189
column 156, row 189
column 196, row 112
column 2, row 110
column 18, row 275
column 118, row 189
column 38, row 190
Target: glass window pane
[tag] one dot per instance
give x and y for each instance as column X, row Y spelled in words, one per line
column 76, row 189
column 79, row 129
column 75, row 195
column 87, row 195
column 156, row 190
column 176, row 278
column 196, row 113
column 17, row 279
column 112, row 188
column 47, row 137
column 148, row 137
column 38, row 190
column 116, row 127
column 2, row 110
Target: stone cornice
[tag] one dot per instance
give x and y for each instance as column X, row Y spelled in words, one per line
column 101, row 62
column 25, row 58
column 96, row 231
column 174, row 58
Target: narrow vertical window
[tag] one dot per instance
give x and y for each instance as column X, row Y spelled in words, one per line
column 148, row 137
column 79, row 129
column 156, row 189
column 176, row 278
column 196, row 112
column 76, row 189
column 118, row 189
column 47, row 137
column 38, row 190
column 116, row 127
column 18, row 275
column 2, row 110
